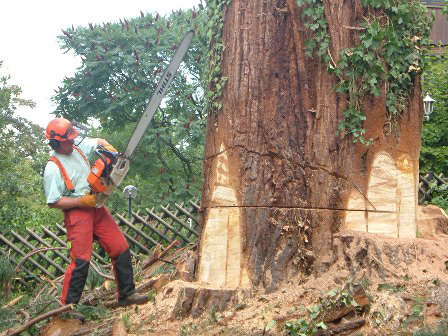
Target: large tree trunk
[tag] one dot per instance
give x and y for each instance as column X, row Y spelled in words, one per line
column 279, row 181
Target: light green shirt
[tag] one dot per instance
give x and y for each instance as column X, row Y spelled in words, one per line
column 77, row 169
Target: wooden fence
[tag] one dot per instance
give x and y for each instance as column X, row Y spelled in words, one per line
column 143, row 232
column 425, row 185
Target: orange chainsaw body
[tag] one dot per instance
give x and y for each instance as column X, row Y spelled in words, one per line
column 100, row 172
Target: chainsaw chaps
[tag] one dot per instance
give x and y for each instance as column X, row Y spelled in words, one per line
column 121, row 166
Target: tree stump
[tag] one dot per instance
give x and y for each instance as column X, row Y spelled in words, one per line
column 279, row 179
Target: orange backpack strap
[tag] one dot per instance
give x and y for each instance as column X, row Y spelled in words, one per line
column 82, row 154
column 68, row 183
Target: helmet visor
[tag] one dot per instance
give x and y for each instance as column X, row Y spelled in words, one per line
column 78, row 132
column 71, row 133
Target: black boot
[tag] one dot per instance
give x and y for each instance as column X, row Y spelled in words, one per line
column 124, row 275
column 134, row 298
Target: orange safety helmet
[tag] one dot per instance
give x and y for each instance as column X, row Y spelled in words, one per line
column 60, row 129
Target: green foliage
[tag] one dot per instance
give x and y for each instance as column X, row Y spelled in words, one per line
column 389, row 55
column 394, row 288
column 121, row 65
column 188, row 329
column 94, row 280
column 416, row 315
column 126, row 320
column 7, row 272
column 434, row 150
column 303, row 328
column 214, row 77
column 336, row 298
column 31, row 303
column 315, row 21
column 98, row 312
column 23, row 158
column 439, row 195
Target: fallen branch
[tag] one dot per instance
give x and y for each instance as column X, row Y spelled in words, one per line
column 95, row 268
column 29, row 324
column 33, row 252
column 157, row 254
column 342, row 328
column 13, row 302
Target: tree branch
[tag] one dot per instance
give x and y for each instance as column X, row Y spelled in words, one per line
column 29, row 324
column 21, row 262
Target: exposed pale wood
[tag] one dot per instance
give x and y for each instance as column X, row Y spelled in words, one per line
column 118, row 328
column 157, row 254
column 221, row 246
column 431, row 221
column 287, row 167
column 186, row 266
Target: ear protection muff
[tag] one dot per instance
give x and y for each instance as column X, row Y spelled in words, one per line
column 52, row 141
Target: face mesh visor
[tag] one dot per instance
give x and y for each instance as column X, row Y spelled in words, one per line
column 77, row 132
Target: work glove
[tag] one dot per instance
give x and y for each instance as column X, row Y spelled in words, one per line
column 110, row 148
column 88, row 200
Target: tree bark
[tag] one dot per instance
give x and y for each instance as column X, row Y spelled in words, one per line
column 279, row 180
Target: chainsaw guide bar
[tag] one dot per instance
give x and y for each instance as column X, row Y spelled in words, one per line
column 121, row 166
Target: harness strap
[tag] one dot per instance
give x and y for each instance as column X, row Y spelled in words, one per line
column 68, row 183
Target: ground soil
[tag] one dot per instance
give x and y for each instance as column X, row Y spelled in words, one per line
column 406, row 282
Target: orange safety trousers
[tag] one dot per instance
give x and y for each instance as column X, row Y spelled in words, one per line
column 83, row 226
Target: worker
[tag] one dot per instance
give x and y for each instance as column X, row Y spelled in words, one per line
column 66, row 188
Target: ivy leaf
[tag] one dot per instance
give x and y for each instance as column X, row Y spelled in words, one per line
column 322, row 325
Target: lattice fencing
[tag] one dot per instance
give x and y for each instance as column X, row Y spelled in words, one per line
column 426, row 185
column 143, row 231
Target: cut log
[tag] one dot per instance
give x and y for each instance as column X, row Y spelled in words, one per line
column 186, row 266
column 359, row 295
column 343, row 328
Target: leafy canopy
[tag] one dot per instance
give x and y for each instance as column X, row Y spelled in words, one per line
column 23, row 158
column 434, row 150
column 122, row 63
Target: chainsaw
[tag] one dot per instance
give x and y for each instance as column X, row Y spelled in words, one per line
column 111, row 167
